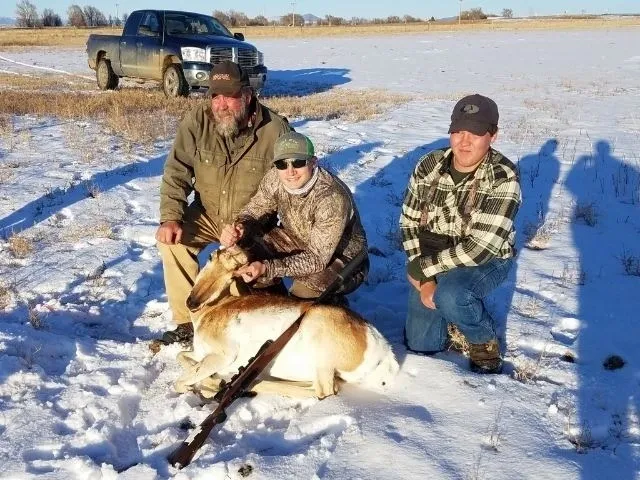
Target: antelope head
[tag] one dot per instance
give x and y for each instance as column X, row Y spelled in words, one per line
column 216, row 277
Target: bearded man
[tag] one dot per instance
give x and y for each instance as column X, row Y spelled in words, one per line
column 221, row 152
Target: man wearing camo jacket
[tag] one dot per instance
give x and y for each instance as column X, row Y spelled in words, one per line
column 320, row 227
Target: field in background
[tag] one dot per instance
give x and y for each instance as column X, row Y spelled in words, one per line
column 73, row 37
column 81, row 283
column 124, row 110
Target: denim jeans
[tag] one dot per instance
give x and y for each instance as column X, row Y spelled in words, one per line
column 459, row 300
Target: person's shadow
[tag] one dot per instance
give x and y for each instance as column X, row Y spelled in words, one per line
column 605, row 226
column 538, row 174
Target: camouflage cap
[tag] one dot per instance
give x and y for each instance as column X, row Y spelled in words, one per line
column 227, row 78
column 293, row 145
column 474, row 113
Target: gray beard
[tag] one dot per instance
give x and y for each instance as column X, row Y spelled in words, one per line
column 228, row 126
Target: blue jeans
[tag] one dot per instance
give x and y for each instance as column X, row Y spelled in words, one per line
column 458, row 300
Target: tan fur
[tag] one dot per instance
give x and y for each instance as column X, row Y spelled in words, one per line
column 330, row 341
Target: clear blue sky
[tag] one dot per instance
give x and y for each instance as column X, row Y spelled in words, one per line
column 342, row 8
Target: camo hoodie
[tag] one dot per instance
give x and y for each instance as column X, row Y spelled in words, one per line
column 323, row 224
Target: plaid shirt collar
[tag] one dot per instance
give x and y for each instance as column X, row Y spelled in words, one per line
column 485, row 170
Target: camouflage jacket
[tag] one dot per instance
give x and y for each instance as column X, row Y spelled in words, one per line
column 324, row 223
column 223, row 180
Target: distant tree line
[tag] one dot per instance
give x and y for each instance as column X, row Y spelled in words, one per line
column 473, row 14
column 233, row 18
column 478, row 14
column 88, row 16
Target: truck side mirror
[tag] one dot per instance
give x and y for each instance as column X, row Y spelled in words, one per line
column 239, row 36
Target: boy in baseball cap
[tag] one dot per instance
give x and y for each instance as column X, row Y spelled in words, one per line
column 458, row 234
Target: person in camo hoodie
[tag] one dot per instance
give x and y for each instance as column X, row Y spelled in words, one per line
column 320, row 228
column 457, row 231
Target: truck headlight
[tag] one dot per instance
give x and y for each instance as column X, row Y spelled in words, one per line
column 193, row 54
column 260, row 58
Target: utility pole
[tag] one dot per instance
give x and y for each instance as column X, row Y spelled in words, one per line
column 460, row 14
column 293, row 13
column 117, row 17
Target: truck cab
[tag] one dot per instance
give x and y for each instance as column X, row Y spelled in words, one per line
column 174, row 47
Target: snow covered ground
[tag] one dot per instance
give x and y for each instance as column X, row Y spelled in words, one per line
column 82, row 397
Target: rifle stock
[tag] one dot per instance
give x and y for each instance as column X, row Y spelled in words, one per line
column 241, row 382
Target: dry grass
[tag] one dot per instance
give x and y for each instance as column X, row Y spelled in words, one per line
column 6, row 122
column 6, row 167
column 528, row 370
column 20, row 245
column 425, row 27
column 125, row 110
column 7, row 129
column 353, row 105
column 5, row 295
column 580, row 435
column 630, row 263
column 73, row 37
column 78, row 233
column 62, row 36
column 93, row 190
column 530, row 308
column 587, row 212
column 539, row 236
column 458, row 341
column 34, row 318
column 43, row 82
column 572, row 274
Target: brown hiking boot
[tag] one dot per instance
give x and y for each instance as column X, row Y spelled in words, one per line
column 485, row 357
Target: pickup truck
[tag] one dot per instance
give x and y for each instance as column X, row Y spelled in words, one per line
column 176, row 48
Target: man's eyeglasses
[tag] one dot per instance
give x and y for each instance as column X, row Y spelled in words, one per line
column 295, row 163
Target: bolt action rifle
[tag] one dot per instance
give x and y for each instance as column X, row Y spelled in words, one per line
column 241, row 383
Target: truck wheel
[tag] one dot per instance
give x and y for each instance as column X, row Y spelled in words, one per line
column 173, row 82
column 107, row 80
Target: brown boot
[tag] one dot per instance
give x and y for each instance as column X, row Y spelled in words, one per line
column 485, row 357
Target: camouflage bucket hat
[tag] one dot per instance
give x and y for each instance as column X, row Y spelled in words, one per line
column 293, row 145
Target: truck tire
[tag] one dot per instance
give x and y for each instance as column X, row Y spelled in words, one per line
column 107, row 80
column 173, row 82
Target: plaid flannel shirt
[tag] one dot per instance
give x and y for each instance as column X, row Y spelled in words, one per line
column 478, row 213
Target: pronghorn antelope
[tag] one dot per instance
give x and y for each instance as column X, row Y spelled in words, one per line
column 332, row 343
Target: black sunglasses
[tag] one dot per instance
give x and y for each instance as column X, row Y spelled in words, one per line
column 295, row 163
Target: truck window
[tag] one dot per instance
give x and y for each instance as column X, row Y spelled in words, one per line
column 149, row 26
column 131, row 27
column 194, row 24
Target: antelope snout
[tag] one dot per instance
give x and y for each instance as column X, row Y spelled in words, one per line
column 192, row 303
